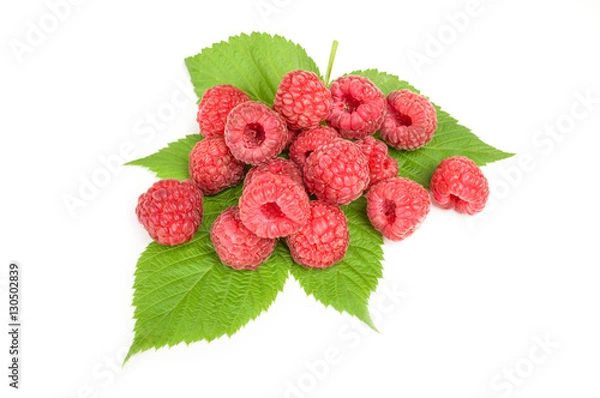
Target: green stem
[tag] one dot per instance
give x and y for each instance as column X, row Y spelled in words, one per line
column 334, row 47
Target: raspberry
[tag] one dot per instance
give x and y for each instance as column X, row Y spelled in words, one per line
column 236, row 245
column 459, row 183
column 358, row 107
column 323, row 240
column 302, row 99
column 279, row 166
column 292, row 135
column 410, row 121
column 381, row 165
column 216, row 104
column 171, row 211
column 310, row 140
column 273, row 206
column 396, row 207
column 337, row 172
column 213, row 167
column 254, row 133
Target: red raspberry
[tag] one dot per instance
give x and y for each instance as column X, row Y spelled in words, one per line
column 410, row 121
column 337, row 172
column 459, row 183
column 396, row 207
column 171, row 211
column 302, row 99
column 273, row 206
column 279, row 166
column 292, row 135
column 236, row 245
column 358, row 107
column 381, row 165
column 310, row 140
column 216, row 104
column 323, row 240
column 254, row 133
column 213, row 167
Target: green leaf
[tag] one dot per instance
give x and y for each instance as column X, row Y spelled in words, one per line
column 254, row 63
column 171, row 161
column 450, row 139
column 185, row 294
column 348, row 285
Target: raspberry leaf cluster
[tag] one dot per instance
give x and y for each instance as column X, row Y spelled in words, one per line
column 185, row 293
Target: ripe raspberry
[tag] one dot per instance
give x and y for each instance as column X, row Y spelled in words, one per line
column 171, row 211
column 381, row 165
column 410, row 121
column 292, row 135
column 254, row 133
column 213, row 167
column 302, row 99
column 358, row 107
column 273, row 206
column 216, row 104
column 396, row 207
column 279, row 166
column 337, row 172
column 310, row 140
column 459, row 183
column 236, row 245
column 323, row 240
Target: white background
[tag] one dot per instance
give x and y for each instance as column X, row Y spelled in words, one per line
column 478, row 294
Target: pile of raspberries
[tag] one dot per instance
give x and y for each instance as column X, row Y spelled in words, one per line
column 333, row 160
